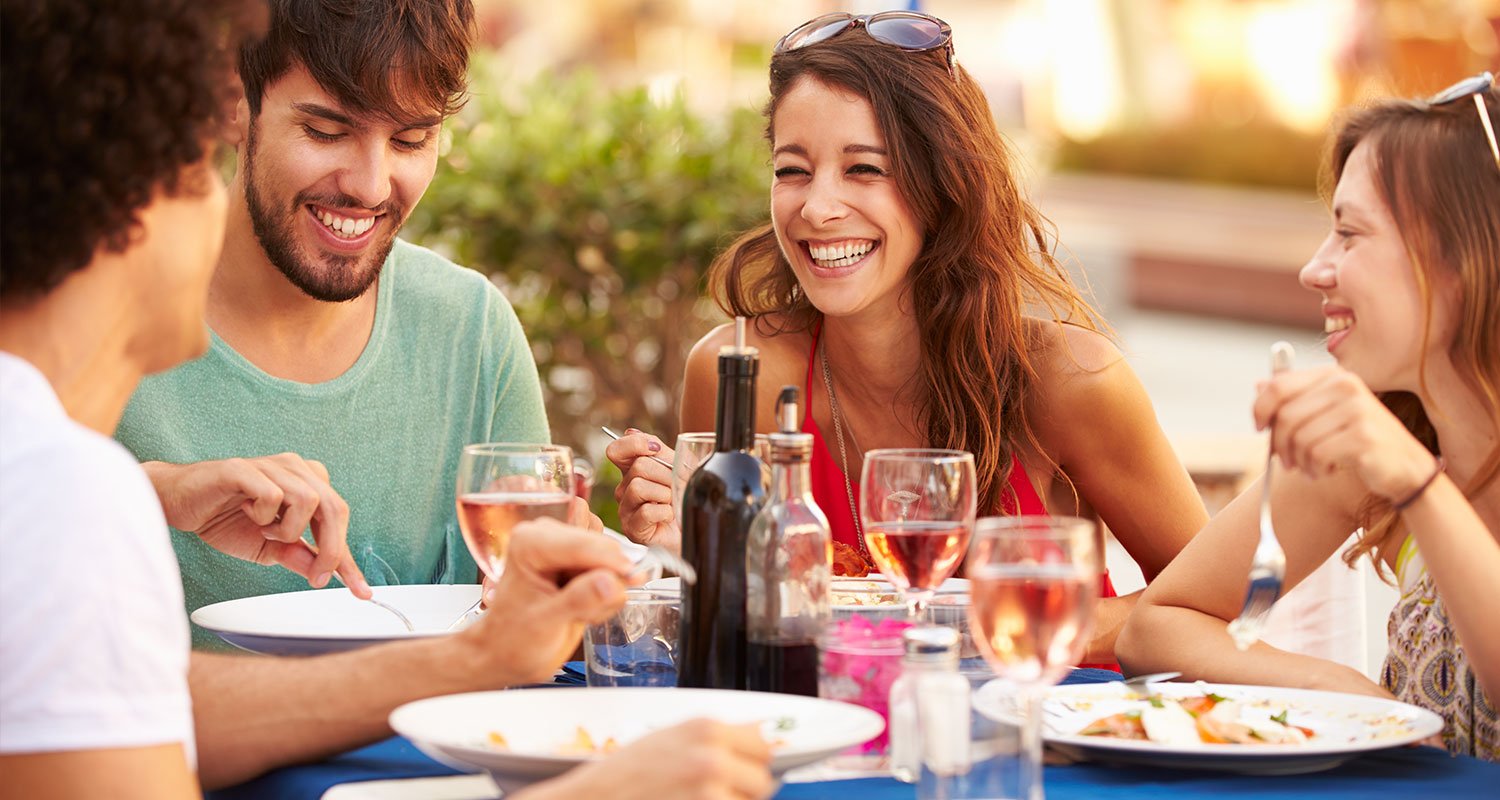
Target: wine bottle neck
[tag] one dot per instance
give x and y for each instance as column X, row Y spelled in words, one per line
column 735, row 427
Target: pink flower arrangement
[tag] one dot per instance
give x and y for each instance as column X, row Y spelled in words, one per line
column 861, row 659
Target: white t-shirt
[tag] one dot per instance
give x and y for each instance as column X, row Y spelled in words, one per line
column 93, row 640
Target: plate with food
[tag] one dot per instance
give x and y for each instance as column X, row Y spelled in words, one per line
column 1262, row 730
column 525, row 735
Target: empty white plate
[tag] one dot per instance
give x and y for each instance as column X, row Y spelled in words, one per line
column 331, row 620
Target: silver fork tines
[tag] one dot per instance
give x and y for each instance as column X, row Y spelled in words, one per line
column 399, row 615
column 1268, row 566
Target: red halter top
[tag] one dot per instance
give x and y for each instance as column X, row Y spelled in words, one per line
column 833, row 496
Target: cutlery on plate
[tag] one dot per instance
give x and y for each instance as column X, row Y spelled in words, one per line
column 404, row 621
column 1268, row 567
column 1141, row 681
column 614, row 435
column 399, row 615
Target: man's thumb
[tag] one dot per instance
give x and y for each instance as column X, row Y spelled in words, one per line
column 591, row 597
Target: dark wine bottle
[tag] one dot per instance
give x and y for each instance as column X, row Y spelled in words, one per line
column 719, row 502
column 788, row 566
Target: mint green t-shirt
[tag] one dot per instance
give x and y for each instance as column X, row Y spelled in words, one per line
column 447, row 365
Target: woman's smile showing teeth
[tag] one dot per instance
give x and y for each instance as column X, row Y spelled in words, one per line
column 836, row 255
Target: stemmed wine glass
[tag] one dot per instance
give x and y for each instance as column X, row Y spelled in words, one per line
column 1033, row 581
column 917, row 510
column 502, row 485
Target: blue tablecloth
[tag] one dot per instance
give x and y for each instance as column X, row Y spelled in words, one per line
column 1420, row 772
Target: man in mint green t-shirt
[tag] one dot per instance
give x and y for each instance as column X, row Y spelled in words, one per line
column 347, row 368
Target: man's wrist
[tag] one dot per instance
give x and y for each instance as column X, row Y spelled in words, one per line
column 161, row 474
column 480, row 665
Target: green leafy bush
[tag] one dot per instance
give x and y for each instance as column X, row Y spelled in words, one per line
column 597, row 211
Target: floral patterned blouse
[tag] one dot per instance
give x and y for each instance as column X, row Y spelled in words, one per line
column 1426, row 665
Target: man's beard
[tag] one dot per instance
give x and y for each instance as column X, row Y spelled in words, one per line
column 344, row 279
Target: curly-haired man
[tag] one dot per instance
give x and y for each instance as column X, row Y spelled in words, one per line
column 114, row 216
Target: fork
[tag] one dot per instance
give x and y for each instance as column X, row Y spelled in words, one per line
column 1268, row 566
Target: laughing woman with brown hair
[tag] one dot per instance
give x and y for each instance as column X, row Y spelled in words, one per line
column 906, row 282
column 1400, row 441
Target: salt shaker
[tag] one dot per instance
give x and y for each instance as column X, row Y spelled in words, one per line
column 929, row 707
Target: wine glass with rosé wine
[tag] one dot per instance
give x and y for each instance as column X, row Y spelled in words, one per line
column 1032, row 582
column 502, row 485
column 917, row 511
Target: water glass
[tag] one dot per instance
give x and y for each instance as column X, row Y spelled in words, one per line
column 638, row 645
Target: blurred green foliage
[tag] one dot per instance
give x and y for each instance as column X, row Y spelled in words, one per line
column 597, row 211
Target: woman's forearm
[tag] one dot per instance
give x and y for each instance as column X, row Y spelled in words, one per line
column 1158, row 638
column 1110, row 614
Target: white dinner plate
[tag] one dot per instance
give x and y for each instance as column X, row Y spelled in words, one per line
column 537, row 725
column 1345, row 726
column 333, row 620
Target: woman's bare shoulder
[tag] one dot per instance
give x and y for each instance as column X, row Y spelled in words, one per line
column 1063, row 351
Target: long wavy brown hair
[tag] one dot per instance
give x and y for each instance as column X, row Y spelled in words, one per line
column 986, row 259
column 1435, row 172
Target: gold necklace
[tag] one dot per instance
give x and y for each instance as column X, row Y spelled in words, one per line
column 838, row 431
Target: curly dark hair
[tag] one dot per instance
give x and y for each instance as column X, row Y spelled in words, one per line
column 103, row 103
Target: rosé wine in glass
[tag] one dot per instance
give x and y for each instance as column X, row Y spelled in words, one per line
column 487, row 519
column 916, row 509
column 917, row 554
column 502, row 485
column 1032, row 582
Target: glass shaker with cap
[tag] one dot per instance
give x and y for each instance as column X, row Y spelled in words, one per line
column 929, row 706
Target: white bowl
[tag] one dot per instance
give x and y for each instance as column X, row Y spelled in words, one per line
column 537, row 724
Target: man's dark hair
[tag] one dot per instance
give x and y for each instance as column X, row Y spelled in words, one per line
column 392, row 59
column 103, row 103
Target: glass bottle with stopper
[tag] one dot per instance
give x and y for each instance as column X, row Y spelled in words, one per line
column 788, row 566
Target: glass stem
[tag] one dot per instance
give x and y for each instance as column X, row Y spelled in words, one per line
column 1031, row 745
column 916, row 606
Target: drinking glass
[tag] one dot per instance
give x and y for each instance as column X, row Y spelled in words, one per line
column 693, row 449
column 1033, row 582
column 638, row 645
column 583, row 479
column 501, row 485
column 917, row 510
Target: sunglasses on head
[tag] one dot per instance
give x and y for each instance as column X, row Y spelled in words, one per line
column 1475, row 87
column 911, row 31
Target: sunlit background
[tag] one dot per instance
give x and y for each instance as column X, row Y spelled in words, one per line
column 612, row 146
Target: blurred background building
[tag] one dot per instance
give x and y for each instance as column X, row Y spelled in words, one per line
column 612, row 146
